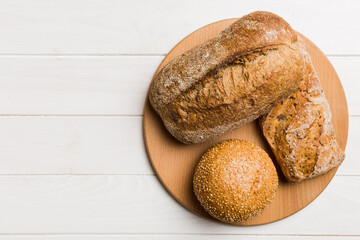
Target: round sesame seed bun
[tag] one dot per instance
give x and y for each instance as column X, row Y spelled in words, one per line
column 235, row 180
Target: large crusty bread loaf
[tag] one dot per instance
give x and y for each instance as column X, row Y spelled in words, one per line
column 229, row 80
column 300, row 132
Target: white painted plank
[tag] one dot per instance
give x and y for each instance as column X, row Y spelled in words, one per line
column 139, row 204
column 140, row 26
column 96, row 145
column 81, row 85
column 348, row 69
column 173, row 237
column 351, row 164
column 72, row 145
column 104, row 85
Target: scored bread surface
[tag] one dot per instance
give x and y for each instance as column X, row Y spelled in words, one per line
column 235, row 180
column 300, row 131
column 230, row 80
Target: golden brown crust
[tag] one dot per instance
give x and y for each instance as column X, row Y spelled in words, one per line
column 300, row 132
column 230, row 80
column 235, row 180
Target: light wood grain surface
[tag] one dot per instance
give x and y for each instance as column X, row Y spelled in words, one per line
column 73, row 79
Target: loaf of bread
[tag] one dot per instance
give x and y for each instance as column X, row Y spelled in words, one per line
column 235, row 180
column 300, row 132
column 229, row 80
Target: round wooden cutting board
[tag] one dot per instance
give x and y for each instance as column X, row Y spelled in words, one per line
column 174, row 162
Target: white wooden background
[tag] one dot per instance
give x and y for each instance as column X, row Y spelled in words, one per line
column 73, row 79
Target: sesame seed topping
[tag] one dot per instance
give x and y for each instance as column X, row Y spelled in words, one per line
column 235, row 180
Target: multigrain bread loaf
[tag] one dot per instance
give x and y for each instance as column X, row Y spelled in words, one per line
column 235, row 180
column 300, row 132
column 229, row 80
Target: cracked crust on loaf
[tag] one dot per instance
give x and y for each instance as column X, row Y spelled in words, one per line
column 300, row 132
column 230, row 80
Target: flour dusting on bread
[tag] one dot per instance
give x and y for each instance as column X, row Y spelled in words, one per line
column 229, row 80
column 300, row 131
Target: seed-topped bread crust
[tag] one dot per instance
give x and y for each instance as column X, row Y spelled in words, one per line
column 235, row 180
column 300, row 132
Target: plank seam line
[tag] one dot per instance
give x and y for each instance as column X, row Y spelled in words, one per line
column 94, row 115
column 76, row 174
column 86, row 55
column 71, row 115
column 178, row 234
column 106, row 175
column 120, row 55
